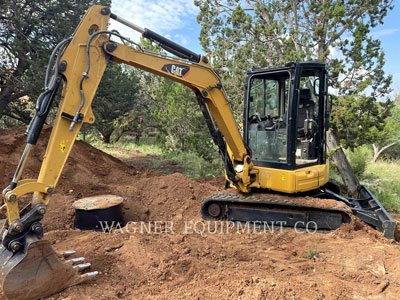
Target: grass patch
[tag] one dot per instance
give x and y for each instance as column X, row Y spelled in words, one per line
column 146, row 146
column 383, row 179
column 113, row 152
column 196, row 166
column 193, row 165
column 385, row 169
column 310, row 253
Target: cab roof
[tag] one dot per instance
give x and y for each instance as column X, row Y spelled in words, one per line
column 290, row 65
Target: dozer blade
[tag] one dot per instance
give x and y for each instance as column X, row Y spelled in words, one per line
column 36, row 272
column 367, row 208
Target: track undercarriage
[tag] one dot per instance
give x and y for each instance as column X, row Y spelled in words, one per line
column 321, row 209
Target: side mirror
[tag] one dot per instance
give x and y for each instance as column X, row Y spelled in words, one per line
column 251, row 98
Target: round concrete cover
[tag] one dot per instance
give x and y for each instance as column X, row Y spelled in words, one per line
column 97, row 202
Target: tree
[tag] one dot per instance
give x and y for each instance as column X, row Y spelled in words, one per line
column 267, row 33
column 389, row 136
column 172, row 109
column 358, row 121
column 29, row 30
column 242, row 34
column 139, row 117
column 116, row 96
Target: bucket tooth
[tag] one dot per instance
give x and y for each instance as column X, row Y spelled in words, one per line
column 82, row 267
column 88, row 276
column 75, row 261
column 68, row 253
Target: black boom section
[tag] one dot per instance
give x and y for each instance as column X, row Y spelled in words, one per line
column 43, row 106
column 171, row 46
column 165, row 43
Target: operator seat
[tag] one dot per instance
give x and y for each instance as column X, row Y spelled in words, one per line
column 305, row 104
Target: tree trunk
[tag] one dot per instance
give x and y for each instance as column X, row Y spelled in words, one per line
column 378, row 151
column 119, row 135
column 3, row 105
column 106, row 137
column 342, row 164
column 138, row 135
column 8, row 94
column 4, row 100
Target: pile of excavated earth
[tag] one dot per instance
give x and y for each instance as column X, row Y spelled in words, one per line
column 187, row 260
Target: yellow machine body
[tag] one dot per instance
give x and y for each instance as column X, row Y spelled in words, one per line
column 289, row 181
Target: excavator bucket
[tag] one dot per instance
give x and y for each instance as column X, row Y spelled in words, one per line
column 37, row 271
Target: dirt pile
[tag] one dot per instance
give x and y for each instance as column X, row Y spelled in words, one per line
column 353, row 262
column 85, row 169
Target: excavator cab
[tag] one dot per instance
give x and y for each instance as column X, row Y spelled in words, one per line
column 286, row 115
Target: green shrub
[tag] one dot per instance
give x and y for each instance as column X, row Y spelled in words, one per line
column 392, row 153
column 358, row 159
column 333, row 172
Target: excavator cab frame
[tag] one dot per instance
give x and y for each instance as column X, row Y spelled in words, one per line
column 286, row 122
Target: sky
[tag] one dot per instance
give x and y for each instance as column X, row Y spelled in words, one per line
column 176, row 20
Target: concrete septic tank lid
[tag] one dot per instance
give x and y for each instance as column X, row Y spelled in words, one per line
column 97, row 202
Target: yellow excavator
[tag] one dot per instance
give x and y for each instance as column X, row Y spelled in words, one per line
column 281, row 149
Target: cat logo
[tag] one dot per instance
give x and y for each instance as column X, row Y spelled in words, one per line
column 180, row 71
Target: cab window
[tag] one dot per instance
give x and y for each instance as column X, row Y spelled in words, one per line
column 267, row 117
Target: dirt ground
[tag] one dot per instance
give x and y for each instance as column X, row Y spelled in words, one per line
column 353, row 262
